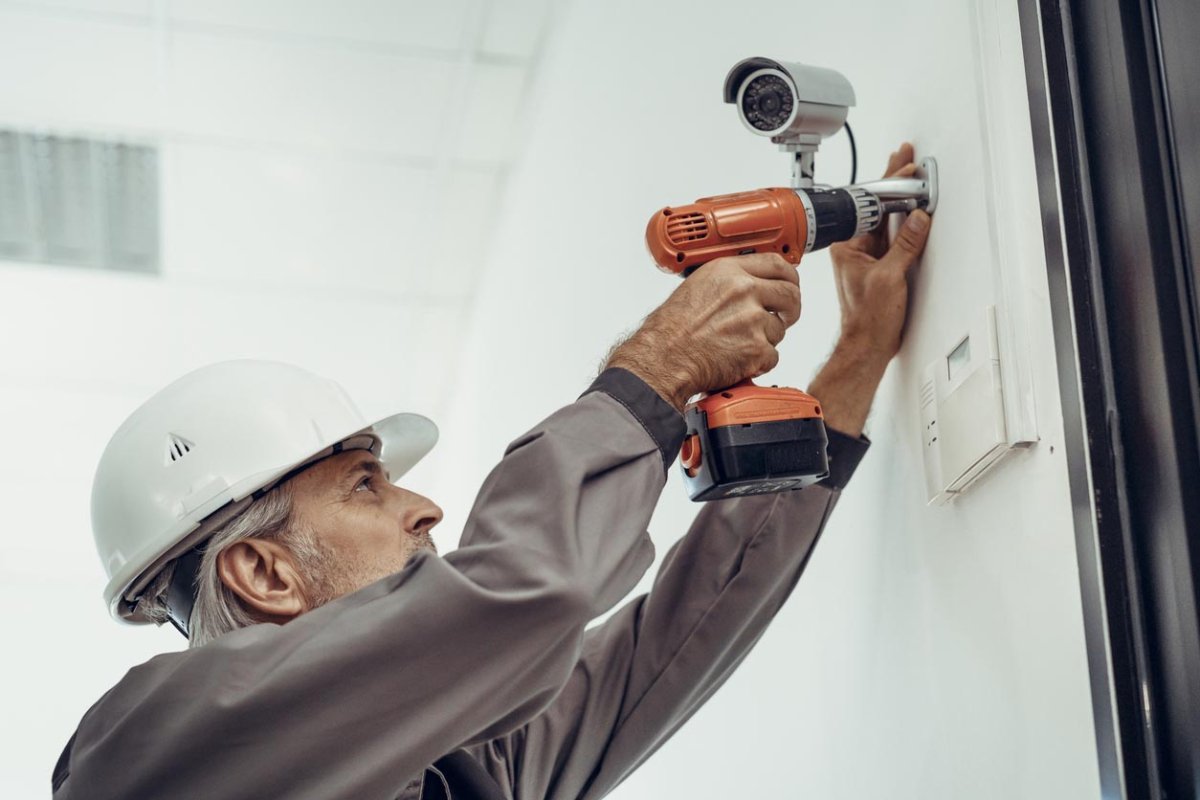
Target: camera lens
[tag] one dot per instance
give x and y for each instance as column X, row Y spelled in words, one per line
column 767, row 102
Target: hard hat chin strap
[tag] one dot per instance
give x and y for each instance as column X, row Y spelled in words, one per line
column 181, row 593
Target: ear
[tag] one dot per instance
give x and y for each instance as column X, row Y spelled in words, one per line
column 261, row 572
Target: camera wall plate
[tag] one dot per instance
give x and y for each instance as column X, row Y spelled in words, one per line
column 927, row 171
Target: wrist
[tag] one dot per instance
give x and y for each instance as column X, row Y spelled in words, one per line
column 640, row 358
column 856, row 346
column 663, row 388
column 846, row 384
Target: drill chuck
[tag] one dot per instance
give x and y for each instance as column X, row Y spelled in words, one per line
column 835, row 215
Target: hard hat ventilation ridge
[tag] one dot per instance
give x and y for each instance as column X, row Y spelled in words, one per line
column 177, row 447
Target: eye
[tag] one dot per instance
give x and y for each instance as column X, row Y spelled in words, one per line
column 364, row 482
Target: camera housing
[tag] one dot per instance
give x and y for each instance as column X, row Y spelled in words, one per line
column 794, row 104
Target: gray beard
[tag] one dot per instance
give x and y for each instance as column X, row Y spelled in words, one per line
column 330, row 577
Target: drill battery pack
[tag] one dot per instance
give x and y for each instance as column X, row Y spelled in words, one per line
column 753, row 440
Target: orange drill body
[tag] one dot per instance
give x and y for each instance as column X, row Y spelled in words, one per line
column 751, row 439
column 761, row 221
column 746, row 439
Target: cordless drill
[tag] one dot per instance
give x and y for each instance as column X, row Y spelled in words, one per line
column 750, row 439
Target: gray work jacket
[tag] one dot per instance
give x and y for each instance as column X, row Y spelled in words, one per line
column 483, row 650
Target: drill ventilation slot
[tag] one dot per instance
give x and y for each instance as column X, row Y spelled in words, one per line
column 686, row 228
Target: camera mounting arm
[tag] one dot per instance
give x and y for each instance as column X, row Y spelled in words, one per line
column 906, row 194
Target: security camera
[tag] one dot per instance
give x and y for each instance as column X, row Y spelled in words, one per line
column 792, row 103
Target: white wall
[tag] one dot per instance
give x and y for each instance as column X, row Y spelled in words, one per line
column 929, row 652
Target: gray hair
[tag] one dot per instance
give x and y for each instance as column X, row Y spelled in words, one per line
column 218, row 609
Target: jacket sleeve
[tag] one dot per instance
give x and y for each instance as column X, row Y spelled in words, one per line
column 651, row 665
column 358, row 696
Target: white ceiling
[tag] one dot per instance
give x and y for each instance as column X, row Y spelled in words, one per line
column 351, row 145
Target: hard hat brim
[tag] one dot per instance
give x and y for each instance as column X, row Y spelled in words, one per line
column 406, row 439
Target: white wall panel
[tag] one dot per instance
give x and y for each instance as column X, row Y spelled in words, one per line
column 928, row 652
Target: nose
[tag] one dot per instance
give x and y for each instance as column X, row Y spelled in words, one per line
column 422, row 515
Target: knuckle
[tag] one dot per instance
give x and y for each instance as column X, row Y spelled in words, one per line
column 719, row 268
column 786, row 269
column 771, row 360
column 794, row 296
column 773, row 331
column 742, row 284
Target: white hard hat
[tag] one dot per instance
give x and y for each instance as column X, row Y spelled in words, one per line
column 200, row 450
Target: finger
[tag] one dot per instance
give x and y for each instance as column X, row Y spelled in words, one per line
column 770, row 266
column 781, row 298
column 910, row 241
column 898, row 159
column 769, row 362
column 874, row 242
column 774, row 328
column 900, row 165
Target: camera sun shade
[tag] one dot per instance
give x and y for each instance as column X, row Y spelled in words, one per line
column 794, row 104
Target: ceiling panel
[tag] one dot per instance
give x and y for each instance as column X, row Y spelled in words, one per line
column 332, row 97
column 514, row 27
column 133, row 335
column 291, row 159
column 136, row 8
column 489, row 116
column 408, row 23
column 262, row 217
column 448, row 253
column 76, row 72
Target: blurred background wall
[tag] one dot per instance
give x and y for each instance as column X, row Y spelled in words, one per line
column 328, row 175
column 441, row 205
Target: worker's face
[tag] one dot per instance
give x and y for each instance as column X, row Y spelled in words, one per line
column 364, row 527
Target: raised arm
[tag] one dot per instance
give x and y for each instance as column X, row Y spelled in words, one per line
column 357, row 696
column 644, row 672
column 651, row 665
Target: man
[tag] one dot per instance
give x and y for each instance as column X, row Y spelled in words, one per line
column 335, row 655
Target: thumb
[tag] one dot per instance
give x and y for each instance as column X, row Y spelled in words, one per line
column 909, row 242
